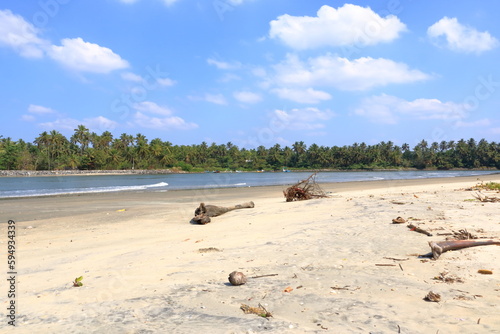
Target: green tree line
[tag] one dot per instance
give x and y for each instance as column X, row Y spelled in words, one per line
column 87, row 150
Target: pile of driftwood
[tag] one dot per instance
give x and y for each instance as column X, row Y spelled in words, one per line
column 304, row 190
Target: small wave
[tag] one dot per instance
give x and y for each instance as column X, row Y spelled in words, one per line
column 161, row 184
column 73, row 191
column 240, row 184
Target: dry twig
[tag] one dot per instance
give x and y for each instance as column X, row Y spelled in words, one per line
column 419, row 230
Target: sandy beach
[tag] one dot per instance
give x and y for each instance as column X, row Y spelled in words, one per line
column 338, row 264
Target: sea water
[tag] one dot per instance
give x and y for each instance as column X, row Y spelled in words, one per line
column 81, row 184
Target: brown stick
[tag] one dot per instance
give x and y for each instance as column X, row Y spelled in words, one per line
column 443, row 246
column 268, row 275
column 419, row 230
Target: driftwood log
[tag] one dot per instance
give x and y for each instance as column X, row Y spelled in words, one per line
column 440, row 247
column 203, row 213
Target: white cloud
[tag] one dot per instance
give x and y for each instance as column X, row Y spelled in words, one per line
column 344, row 74
column 166, row 2
column 151, row 107
column 247, row 97
column 22, row 36
column 129, row 76
column 474, row 124
column 347, row 25
column 459, row 37
column 61, row 124
column 307, row 95
column 100, row 122
column 69, row 124
column 302, row 118
column 222, row 65
column 35, row 109
column 259, row 72
column 172, row 122
column 215, row 98
column 166, row 120
column 169, row 2
column 228, row 77
column 79, row 55
column 166, row 82
column 28, row 118
column 388, row 109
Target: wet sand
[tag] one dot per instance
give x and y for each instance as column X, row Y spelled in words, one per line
column 146, row 269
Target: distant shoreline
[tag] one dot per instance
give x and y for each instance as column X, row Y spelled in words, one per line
column 29, row 173
column 36, row 173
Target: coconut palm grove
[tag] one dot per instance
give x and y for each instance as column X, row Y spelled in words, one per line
column 86, row 150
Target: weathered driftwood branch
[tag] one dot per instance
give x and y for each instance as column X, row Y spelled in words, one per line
column 483, row 198
column 440, row 247
column 304, row 190
column 203, row 213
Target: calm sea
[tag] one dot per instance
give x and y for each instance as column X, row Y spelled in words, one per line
column 57, row 185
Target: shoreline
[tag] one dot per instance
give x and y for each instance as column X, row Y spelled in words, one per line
column 204, row 188
column 344, row 185
column 37, row 173
column 35, row 207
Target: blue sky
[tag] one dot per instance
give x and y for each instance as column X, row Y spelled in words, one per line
column 252, row 72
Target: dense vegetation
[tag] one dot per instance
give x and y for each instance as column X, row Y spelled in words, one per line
column 85, row 150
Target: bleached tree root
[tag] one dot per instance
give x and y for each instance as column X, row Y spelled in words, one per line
column 440, row 247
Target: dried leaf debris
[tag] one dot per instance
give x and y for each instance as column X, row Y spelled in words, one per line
column 260, row 310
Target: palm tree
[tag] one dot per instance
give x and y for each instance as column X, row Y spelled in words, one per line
column 81, row 136
column 105, row 140
column 299, row 148
column 42, row 141
column 142, row 147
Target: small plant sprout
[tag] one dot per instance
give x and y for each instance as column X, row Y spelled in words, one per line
column 78, row 282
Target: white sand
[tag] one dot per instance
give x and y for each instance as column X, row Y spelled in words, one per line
column 143, row 271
